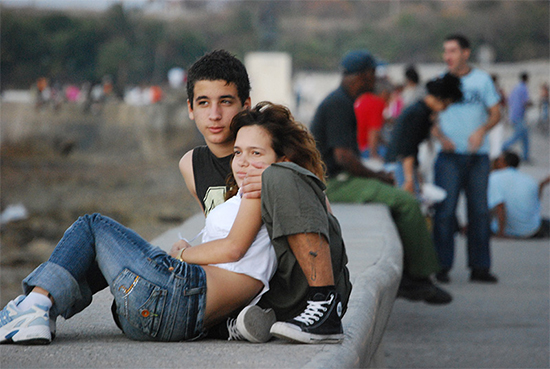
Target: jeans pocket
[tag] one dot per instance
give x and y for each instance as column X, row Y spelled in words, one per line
column 139, row 301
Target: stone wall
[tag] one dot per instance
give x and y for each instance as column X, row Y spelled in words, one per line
column 114, row 126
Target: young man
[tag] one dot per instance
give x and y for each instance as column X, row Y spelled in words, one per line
column 335, row 129
column 218, row 88
column 463, row 163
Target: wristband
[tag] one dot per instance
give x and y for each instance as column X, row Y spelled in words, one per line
column 180, row 258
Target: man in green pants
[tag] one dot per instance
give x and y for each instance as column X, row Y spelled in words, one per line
column 334, row 127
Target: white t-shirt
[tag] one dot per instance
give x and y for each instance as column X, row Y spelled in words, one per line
column 259, row 262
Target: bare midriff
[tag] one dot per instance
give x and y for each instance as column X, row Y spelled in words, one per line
column 227, row 291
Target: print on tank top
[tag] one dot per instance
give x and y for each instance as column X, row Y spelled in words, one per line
column 214, row 196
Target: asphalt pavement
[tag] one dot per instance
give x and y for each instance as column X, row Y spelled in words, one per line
column 486, row 326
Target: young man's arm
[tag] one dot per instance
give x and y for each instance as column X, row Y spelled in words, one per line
column 347, row 159
column 543, row 184
column 186, row 169
column 408, row 171
column 499, row 212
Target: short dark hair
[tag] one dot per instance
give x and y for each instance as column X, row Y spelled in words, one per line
column 446, row 87
column 411, row 74
column 511, row 159
column 219, row 65
column 524, row 76
column 462, row 41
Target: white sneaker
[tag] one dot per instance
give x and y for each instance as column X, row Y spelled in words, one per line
column 252, row 324
column 30, row 327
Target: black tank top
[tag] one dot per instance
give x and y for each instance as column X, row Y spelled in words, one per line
column 210, row 174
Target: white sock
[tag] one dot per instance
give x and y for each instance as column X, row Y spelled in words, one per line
column 34, row 298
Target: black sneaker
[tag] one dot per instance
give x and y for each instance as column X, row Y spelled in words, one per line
column 423, row 289
column 439, row 296
column 443, row 276
column 483, row 276
column 252, row 324
column 320, row 322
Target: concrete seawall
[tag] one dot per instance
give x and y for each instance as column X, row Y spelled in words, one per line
column 115, row 127
column 92, row 340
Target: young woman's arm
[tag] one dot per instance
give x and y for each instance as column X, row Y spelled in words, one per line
column 231, row 248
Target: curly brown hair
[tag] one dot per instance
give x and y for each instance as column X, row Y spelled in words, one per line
column 289, row 138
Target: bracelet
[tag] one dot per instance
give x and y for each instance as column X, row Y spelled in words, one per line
column 180, row 258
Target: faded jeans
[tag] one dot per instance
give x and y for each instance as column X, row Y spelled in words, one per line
column 456, row 172
column 521, row 133
column 158, row 298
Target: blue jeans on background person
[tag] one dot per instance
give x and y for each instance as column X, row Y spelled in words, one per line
column 382, row 149
column 521, row 133
column 453, row 173
column 158, row 298
column 396, row 168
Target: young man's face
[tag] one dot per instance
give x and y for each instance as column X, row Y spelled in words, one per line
column 214, row 105
column 455, row 57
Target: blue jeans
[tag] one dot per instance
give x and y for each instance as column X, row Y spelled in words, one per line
column 521, row 133
column 456, row 172
column 158, row 298
column 399, row 176
column 381, row 152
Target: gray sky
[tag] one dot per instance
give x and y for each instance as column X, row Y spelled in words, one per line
column 67, row 4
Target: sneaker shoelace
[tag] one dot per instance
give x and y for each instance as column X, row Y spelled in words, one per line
column 234, row 334
column 313, row 312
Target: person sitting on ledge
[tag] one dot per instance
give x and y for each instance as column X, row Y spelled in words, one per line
column 514, row 200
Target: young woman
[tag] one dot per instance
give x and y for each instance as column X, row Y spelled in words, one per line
column 159, row 297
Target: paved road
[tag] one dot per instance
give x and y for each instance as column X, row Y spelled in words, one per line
column 486, row 326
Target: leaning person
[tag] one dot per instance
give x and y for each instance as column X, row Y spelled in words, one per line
column 414, row 126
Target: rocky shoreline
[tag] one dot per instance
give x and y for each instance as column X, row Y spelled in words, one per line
column 145, row 194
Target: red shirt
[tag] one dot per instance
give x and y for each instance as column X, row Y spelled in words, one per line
column 369, row 113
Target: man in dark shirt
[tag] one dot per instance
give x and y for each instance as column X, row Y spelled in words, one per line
column 335, row 129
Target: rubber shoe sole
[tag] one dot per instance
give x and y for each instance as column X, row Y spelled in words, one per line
column 38, row 335
column 254, row 323
column 293, row 333
column 30, row 327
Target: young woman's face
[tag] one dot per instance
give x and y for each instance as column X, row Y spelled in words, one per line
column 252, row 145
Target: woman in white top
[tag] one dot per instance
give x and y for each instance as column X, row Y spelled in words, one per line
column 159, row 297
